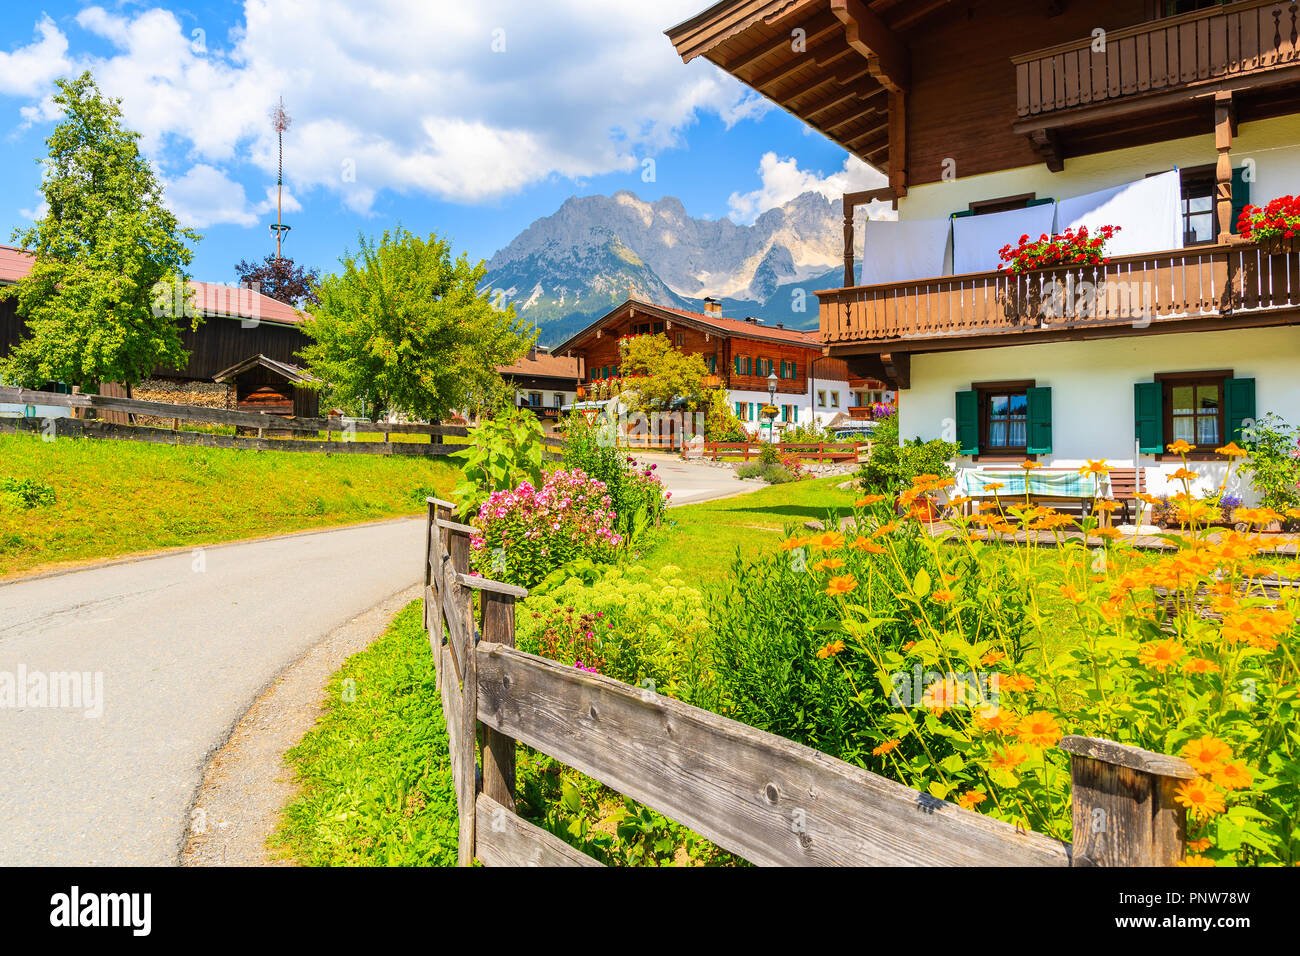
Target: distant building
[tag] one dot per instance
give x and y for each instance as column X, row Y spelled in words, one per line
column 543, row 382
column 740, row 355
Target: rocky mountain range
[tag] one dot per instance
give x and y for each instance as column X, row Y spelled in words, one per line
column 569, row 268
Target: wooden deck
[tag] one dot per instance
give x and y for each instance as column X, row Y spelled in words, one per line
column 1137, row 291
column 1241, row 40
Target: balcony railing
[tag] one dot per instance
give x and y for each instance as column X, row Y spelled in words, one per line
column 1140, row 290
column 1238, row 39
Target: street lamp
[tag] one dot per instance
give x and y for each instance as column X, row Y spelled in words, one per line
column 771, row 403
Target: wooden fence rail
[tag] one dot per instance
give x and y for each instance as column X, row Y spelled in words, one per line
column 810, row 451
column 337, row 431
column 761, row 797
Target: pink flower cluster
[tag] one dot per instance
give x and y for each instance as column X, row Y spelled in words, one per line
column 527, row 532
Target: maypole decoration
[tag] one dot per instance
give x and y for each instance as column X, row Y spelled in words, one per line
column 280, row 122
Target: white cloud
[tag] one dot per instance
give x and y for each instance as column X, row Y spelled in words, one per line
column 783, row 180
column 463, row 102
column 206, row 195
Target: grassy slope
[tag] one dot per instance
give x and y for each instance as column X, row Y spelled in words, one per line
column 116, row 498
column 376, row 775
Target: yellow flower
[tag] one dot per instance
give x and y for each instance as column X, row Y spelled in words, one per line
column 868, row 501
column 1016, row 682
column 995, row 720
column 828, row 564
column 830, row 539
column 972, row 799
column 830, row 650
column 1200, row 799
column 994, row 486
column 991, row 658
column 789, row 544
column 1030, row 465
column 1193, row 859
column 1233, row 776
column 1231, row 450
column 837, row 587
column 1095, row 468
column 1159, row 655
column 1008, row 758
column 1180, row 447
column 867, row 545
column 885, row 748
column 1199, row 846
column 942, row 596
column 1182, row 474
column 1199, row 665
column 1039, row 729
column 1207, row 754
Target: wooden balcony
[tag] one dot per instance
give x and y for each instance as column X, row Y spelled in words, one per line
column 1234, row 283
column 1253, row 42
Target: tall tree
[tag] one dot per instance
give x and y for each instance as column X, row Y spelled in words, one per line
column 281, row 279
column 103, row 298
column 661, row 374
column 404, row 327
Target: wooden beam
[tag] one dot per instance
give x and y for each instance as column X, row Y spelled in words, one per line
column 816, row 28
column 918, row 11
column 1047, row 144
column 844, row 73
column 898, row 368
column 898, row 142
column 1224, row 115
column 880, row 46
column 865, row 94
column 826, row 52
column 852, row 117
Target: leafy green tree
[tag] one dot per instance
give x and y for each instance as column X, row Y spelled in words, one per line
column 661, row 374
column 404, row 326
column 102, row 300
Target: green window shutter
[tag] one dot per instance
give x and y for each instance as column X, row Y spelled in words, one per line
column 737, row 364
column 794, row 370
column 968, row 423
column 1240, row 194
column 749, row 365
column 1039, row 440
column 1148, row 418
column 1238, row 407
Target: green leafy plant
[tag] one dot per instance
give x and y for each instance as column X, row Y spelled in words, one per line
column 1274, row 462
column 505, row 451
column 636, row 494
column 26, row 492
column 893, row 466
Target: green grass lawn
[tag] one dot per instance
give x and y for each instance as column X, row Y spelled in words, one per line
column 115, row 498
column 375, row 771
column 703, row 539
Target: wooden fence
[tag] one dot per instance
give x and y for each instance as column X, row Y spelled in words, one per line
column 763, row 798
column 809, row 451
column 337, row 432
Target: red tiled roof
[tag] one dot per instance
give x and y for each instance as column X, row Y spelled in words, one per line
column 732, row 327
column 213, row 298
column 543, row 365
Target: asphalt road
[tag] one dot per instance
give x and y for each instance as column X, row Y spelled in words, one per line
column 182, row 654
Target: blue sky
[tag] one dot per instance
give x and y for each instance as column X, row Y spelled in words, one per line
column 468, row 120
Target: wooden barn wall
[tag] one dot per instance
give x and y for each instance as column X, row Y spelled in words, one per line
column 963, row 98
column 215, row 346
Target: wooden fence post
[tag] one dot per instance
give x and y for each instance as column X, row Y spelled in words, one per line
column 499, row 750
column 461, row 603
column 1122, row 801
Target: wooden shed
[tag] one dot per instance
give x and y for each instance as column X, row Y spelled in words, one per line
column 266, row 385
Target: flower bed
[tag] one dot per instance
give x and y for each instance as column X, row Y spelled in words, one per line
column 1275, row 226
column 527, row 532
column 955, row 663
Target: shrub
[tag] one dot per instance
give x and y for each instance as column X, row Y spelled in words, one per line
column 26, row 492
column 527, row 533
column 505, row 452
column 893, row 467
column 1274, row 463
column 642, row 627
column 637, row 497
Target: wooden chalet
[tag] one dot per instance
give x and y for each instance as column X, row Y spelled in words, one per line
column 740, row 355
column 543, row 382
column 985, row 115
column 266, row 385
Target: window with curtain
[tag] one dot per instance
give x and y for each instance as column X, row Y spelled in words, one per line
column 1005, row 420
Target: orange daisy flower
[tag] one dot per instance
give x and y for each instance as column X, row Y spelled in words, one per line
column 1207, row 754
column 886, row 747
column 1008, row 758
column 838, row 587
column 868, row 501
column 830, row 650
column 1039, row 729
column 1159, row 655
column 972, row 799
column 1016, row 682
column 1233, row 776
column 1200, row 799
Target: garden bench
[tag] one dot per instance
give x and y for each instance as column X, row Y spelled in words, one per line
column 1056, row 487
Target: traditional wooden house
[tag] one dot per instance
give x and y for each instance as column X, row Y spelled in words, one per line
column 239, row 325
column 543, row 382
column 263, row 384
column 743, row 356
column 997, row 119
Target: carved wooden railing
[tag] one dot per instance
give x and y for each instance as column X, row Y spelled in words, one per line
column 1238, row 39
column 1140, row 290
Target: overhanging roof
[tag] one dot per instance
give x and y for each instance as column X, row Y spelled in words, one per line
column 837, row 75
column 718, row 325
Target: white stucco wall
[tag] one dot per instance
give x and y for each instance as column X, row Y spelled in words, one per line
column 1092, row 390
column 1273, row 145
column 804, row 403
